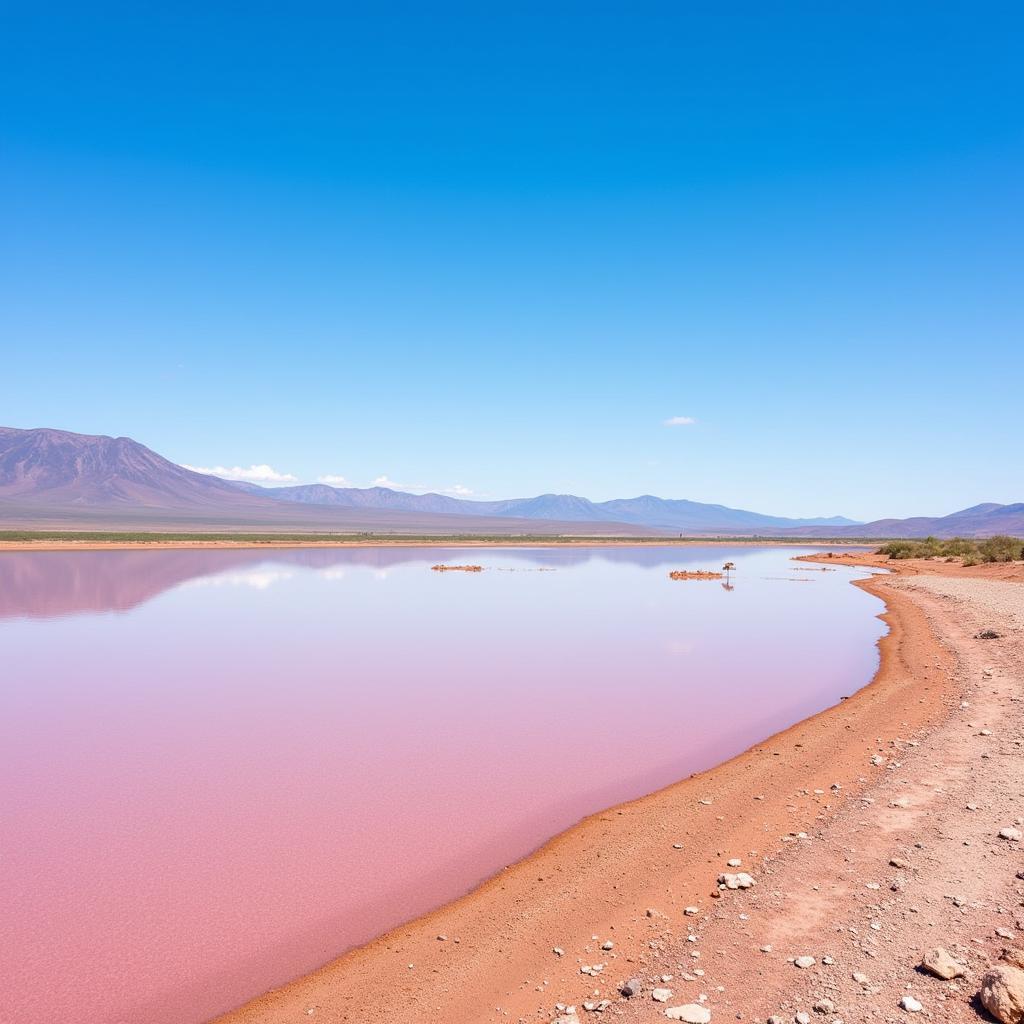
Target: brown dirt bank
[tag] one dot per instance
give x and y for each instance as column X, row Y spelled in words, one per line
column 598, row 879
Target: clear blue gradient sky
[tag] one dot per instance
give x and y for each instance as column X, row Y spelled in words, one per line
column 498, row 247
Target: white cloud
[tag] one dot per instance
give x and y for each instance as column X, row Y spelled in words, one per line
column 262, row 474
column 384, row 481
column 458, row 490
column 679, row 421
column 333, row 480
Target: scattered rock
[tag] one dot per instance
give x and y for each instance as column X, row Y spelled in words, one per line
column 911, row 1005
column 691, row 911
column 987, row 634
column 803, row 1017
column 1002, row 993
column 607, row 945
column 1013, row 834
column 805, row 961
column 938, row 962
column 633, row 987
column 691, row 1013
column 661, row 995
column 824, row 1006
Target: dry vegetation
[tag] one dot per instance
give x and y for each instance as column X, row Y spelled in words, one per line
column 971, row 552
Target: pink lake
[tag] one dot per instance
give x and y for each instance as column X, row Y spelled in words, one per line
column 221, row 769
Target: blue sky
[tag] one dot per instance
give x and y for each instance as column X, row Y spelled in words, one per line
column 458, row 246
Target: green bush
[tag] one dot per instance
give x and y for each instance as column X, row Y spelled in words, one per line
column 991, row 549
column 1000, row 549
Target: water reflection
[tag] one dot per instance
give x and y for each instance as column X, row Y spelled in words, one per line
column 45, row 584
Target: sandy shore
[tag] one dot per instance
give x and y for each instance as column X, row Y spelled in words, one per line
column 816, row 814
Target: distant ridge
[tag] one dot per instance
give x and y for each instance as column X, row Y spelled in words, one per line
column 670, row 515
column 56, row 478
column 985, row 520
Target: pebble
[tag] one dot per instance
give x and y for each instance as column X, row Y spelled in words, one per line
column 691, row 911
column 633, row 987
column 911, row 1005
column 805, row 961
column 661, row 995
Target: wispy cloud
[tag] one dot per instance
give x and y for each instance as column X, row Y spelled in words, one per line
column 333, row 480
column 385, row 481
column 679, row 421
column 262, row 474
column 456, row 490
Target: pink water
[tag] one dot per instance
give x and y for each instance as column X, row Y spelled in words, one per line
column 220, row 769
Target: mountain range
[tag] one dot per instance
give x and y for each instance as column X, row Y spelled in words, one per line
column 55, row 478
column 659, row 513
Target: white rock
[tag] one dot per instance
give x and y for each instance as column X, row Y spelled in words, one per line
column 691, row 911
column 691, row 1013
column 661, row 995
column 805, row 961
column 740, row 880
column 1013, row 834
column 911, row 1005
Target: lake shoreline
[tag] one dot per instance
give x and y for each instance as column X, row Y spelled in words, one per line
column 602, row 876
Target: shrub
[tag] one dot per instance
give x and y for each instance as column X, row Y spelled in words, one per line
column 1000, row 549
column 992, row 549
